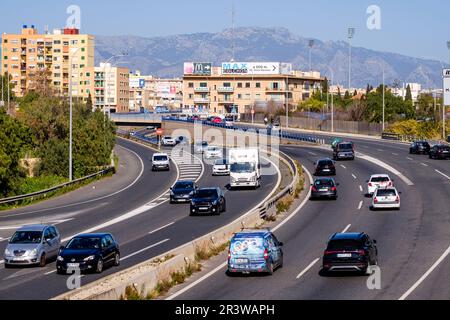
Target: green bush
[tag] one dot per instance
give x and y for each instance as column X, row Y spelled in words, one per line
column 30, row 185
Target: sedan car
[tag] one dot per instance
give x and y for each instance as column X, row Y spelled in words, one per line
column 32, row 245
column 324, row 188
column 355, row 252
column 168, row 141
column 213, row 152
column 208, row 201
column 182, row 191
column 217, row 120
column 388, row 198
column 88, row 252
column 420, row 147
column 325, row 167
column 378, row 181
column 221, row 168
column 440, row 152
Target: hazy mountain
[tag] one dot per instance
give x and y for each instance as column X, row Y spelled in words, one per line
column 164, row 56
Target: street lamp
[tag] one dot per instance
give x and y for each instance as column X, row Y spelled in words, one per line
column 384, row 93
column 71, row 117
column 106, row 75
column 311, row 45
column 332, row 98
column 351, row 33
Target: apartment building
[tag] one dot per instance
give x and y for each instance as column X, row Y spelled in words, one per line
column 58, row 54
column 110, row 88
column 237, row 89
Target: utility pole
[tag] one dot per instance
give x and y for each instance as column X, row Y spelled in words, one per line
column 311, row 45
column 351, row 33
column 233, row 16
column 71, row 117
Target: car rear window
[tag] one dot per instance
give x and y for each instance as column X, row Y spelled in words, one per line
column 221, row 162
column 324, row 183
column 345, row 146
column 386, row 193
column 247, row 246
column 344, row 244
column 380, row 179
column 325, row 163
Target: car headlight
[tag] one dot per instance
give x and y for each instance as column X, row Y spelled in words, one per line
column 7, row 252
column 191, row 193
column 33, row 252
column 90, row 258
column 60, row 258
column 171, row 193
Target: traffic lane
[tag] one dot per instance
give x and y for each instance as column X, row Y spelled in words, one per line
column 305, row 238
column 136, row 241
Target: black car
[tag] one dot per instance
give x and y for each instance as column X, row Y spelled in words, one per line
column 350, row 252
column 343, row 151
column 208, row 201
column 88, row 252
column 440, row 152
column 324, row 188
column 325, row 167
column 420, row 147
column 182, row 191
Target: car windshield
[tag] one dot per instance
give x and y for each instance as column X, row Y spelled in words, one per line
column 206, row 193
column 386, row 193
column 345, row 146
column 26, row 237
column 243, row 167
column 324, row 183
column 84, row 243
column 213, row 149
column 221, row 162
column 167, row 138
column 344, row 244
column 184, row 185
column 160, row 158
column 380, row 179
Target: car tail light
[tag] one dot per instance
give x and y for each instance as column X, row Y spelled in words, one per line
column 313, row 189
column 390, row 184
column 333, row 189
column 375, row 200
column 370, row 185
column 331, row 252
column 397, row 199
column 266, row 254
column 229, row 254
column 361, row 252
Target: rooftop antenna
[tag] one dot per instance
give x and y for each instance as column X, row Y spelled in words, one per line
column 233, row 13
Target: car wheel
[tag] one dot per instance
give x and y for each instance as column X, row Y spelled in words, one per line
column 224, row 207
column 117, row 260
column 42, row 261
column 7, row 266
column 99, row 268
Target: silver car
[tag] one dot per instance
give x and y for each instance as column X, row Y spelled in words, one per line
column 32, row 245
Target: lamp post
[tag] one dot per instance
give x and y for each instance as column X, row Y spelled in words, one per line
column 384, row 93
column 287, row 102
column 311, row 45
column 332, row 98
column 71, row 117
column 351, row 33
column 106, row 79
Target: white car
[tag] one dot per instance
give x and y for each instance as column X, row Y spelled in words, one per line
column 201, row 146
column 378, row 181
column 213, row 152
column 160, row 161
column 221, row 168
column 168, row 141
column 386, row 198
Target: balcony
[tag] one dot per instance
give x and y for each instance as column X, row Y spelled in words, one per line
column 202, row 100
column 225, row 89
column 201, row 89
column 278, row 90
column 226, row 101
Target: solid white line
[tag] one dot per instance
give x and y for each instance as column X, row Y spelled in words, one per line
column 50, row 272
column 361, row 188
column 409, row 158
column 360, row 205
column 380, row 150
column 443, row 174
column 301, row 274
column 434, row 266
column 395, row 154
column 354, row 177
column 424, row 164
column 163, row 227
column 312, row 153
column 2, row 261
column 347, row 228
column 145, row 249
column 343, row 166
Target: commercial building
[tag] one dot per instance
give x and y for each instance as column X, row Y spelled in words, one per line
column 110, row 88
column 58, row 54
column 416, row 89
column 244, row 87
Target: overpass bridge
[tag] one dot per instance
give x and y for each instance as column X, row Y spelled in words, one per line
column 137, row 119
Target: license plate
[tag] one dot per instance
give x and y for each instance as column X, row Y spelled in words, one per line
column 344, row 255
column 73, row 265
column 241, row 261
column 326, row 170
column 203, row 208
column 323, row 190
column 19, row 259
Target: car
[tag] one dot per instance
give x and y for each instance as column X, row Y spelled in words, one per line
column 344, row 151
column 386, row 198
column 182, row 191
column 440, row 151
column 88, row 253
column 378, row 181
column 151, row 128
column 168, row 141
column 355, row 252
column 254, row 251
column 324, row 188
column 208, row 201
column 213, row 152
column 229, row 121
column 32, row 245
column 276, row 126
column 420, row 147
column 160, row 162
column 217, row 120
column 325, row 167
column 181, row 140
column 200, row 146
column 221, row 168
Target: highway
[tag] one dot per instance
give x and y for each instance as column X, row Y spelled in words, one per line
column 410, row 242
column 140, row 218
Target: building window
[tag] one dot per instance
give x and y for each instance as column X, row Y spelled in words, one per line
column 190, row 84
column 248, row 85
column 275, row 86
column 83, row 58
column 239, row 85
column 191, row 96
column 203, row 85
column 258, row 85
column 83, row 41
column 57, row 42
column 227, row 84
column 5, row 41
column 5, row 57
column 239, row 96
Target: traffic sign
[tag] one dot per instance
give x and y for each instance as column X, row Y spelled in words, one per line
column 159, row 132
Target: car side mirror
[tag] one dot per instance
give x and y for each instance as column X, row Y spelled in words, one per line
column 61, row 248
column 375, row 241
column 281, row 244
column 338, row 184
column 367, row 181
column 400, row 193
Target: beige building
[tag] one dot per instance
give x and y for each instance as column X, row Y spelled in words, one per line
column 110, row 88
column 59, row 53
column 241, row 93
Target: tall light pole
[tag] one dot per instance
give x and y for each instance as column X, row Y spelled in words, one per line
column 444, row 113
column 311, row 45
column 351, row 33
column 71, row 117
column 106, row 77
column 287, row 102
column 332, row 98
column 384, row 93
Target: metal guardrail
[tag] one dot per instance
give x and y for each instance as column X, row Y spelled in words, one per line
column 44, row 193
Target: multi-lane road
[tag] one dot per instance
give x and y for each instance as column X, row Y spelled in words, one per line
column 412, row 243
column 133, row 205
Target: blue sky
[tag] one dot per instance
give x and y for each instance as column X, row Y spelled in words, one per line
column 413, row 27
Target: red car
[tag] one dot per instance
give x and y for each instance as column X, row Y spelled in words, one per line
column 216, row 120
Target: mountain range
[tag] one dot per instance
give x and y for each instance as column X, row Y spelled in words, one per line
column 164, row 56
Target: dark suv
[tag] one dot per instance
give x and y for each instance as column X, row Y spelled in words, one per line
column 325, row 167
column 440, row 152
column 350, row 252
column 419, row 147
column 208, row 201
column 344, row 151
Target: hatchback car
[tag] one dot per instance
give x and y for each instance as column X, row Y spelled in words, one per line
column 350, row 252
column 386, row 198
column 324, row 188
column 440, row 152
column 208, row 201
column 344, row 150
column 160, row 161
column 168, row 141
column 88, row 252
column 32, row 245
column 420, row 147
column 325, row 167
column 213, row 152
column 221, row 168
column 182, row 191
column 378, row 181
column 254, row 251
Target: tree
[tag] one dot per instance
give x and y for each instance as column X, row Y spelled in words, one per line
column 408, row 96
column 355, row 93
column 325, row 87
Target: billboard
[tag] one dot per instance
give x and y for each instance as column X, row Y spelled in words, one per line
column 166, row 90
column 256, row 68
column 137, row 83
column 446, row 74
column 198, row 68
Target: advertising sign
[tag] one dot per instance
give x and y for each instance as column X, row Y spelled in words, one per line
column 137, row 83
column 446, row 74
column 256, row 68
column 166, row 90
column 197, row 68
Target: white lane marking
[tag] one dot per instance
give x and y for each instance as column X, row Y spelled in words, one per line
column 409, row 158
column 347, row 228
column 361, row 188
column 443, row 174
column 301, row 274
column 395, row 154
column 163, row 227
column 354, row 176
column 50, row 272
column 380, row 150
column 419, row 282
column 312, row 153
column 14, row 227
column 360, row 205
column 2, row 261
column 145, row 249
column 4, row 239
column 424, row 164
column 343, row 166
